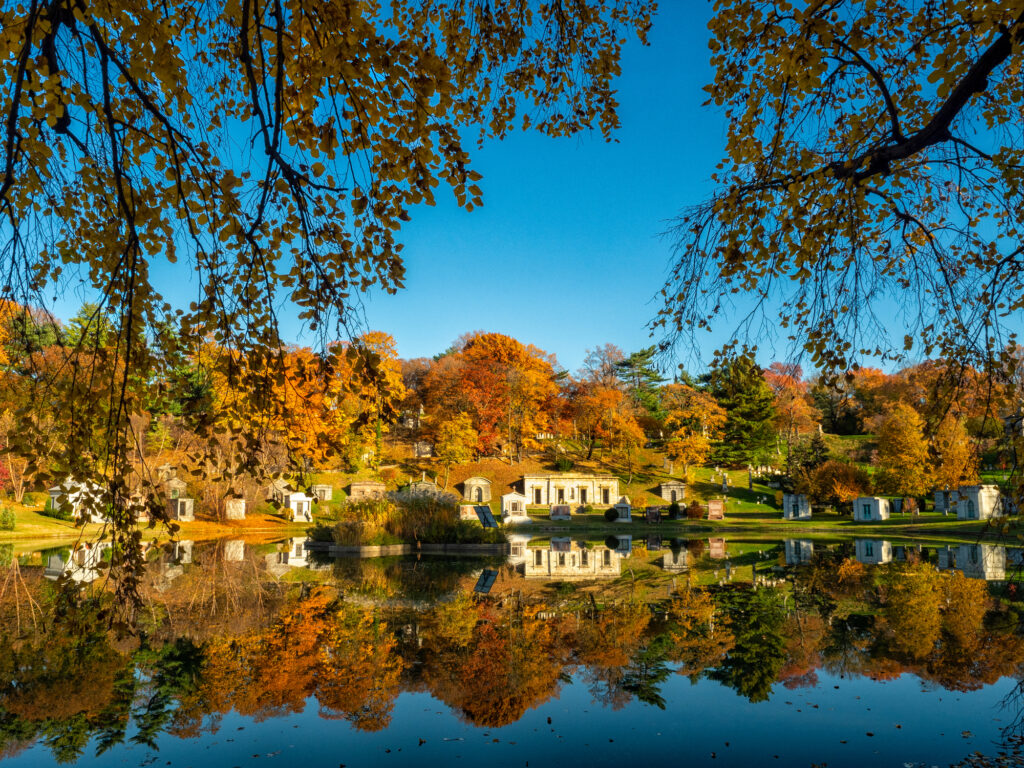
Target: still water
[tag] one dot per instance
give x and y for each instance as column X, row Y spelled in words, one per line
column 604, row 652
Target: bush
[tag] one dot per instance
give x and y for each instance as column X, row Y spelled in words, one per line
column 695, row 547
column 695, row 511
column 35, row 498
column 417, row 518
column 674, row 510
column 6, row 519
column 264, row 508
column 57, row 514
column 563, row 463
column 611, row 514
column 6, row 555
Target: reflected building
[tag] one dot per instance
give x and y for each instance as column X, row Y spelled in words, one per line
column 234, row 551
column 290, row 554
column 518, row 547
column 717, row 549
column 976, row 561
column 181, row 552
column 676, row 560
column 621, row 544
column 872, row 551
column 565, row 559
column 81, row 565
column 798, row 551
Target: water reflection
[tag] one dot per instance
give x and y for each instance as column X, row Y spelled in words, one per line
column 81, row 564
column 567, row 559
column 798, row 551
column 269, row 629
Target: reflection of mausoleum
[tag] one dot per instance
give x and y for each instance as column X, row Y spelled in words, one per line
column 81, row 565
column 798, row 551
column 872, row 551
column 290, row 554
column 566, row 559
column 676, row 560
column 977, row 561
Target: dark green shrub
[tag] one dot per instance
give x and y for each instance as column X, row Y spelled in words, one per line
column 57, row 514
column 563, row 463
column 674, row 510
column 611, row 514
column 6, row 519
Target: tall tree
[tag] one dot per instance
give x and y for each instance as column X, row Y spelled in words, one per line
column 694, row 421
column 901, row 462
column 600, row 366
column 596, row 409
column 737, row 383
column 954, row 456
column 794, row 414
column 455, row 442
column 641, row 378
column 508, row 388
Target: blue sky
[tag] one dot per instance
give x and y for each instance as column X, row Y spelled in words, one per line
column 566, row 252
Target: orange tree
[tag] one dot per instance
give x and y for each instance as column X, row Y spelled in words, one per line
column 506, row 387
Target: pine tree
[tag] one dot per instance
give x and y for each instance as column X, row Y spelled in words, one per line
column 642, row 378
column 737, row 382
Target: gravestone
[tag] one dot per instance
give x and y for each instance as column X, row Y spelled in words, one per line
column 716, row 509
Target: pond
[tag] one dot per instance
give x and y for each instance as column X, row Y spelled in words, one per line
column 612, row 651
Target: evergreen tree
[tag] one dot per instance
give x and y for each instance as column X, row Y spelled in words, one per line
column 642, row 379
column 808, row 455
column 737, row 382
column 90, row 328
column 752, row 666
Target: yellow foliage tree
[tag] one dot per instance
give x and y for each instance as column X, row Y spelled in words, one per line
column 954, row 458
column 902, row 463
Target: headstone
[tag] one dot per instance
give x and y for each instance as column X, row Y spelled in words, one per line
column 716, row 509
column 561, row 512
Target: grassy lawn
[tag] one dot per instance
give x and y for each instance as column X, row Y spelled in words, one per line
column 32, row 526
